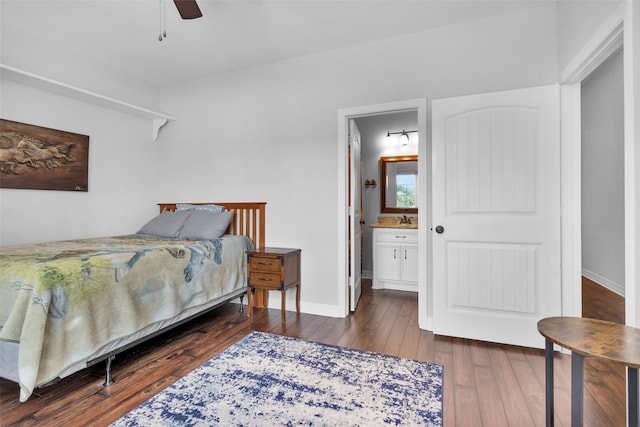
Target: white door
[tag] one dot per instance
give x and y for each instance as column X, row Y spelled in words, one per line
column 355, row 179
column 496, row 215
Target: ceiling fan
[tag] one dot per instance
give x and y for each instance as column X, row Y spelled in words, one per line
column 188, row 9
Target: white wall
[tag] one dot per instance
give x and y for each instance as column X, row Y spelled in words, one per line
column 24, row 49
column 270, row 133
column 577, row 23
column 123, row 162
column 603, row 175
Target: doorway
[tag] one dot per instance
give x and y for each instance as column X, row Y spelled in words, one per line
column 602, row 177
column 345, row 116
column 376, row 144
column 609, row 40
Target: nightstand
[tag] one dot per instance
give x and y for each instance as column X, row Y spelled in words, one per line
column 273, row 269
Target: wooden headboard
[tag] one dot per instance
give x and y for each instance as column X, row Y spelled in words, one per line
column 248, row 218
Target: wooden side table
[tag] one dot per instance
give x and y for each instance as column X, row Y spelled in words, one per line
column 593, row 338
column 273, row 269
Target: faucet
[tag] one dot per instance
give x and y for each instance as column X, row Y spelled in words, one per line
column 405, row 220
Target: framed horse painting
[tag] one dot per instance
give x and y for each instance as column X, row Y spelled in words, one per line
column 39, row 158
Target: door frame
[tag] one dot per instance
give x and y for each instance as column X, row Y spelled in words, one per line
column 616, row 32
column 424, row 199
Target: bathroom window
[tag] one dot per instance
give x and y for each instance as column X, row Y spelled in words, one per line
column 406, row 191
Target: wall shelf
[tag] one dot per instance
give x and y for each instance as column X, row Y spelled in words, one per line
column 23, row 77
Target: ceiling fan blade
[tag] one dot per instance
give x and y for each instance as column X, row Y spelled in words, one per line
column 188, row 9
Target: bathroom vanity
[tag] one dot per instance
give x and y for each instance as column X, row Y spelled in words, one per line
column 395, row 256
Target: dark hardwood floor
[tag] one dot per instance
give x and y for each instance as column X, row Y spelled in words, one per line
column 600, row 303
column 486, row 384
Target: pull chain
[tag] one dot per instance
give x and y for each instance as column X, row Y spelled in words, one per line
column 162, row 19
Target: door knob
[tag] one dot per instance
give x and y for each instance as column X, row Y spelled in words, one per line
column 439, row 229
column 362, row 221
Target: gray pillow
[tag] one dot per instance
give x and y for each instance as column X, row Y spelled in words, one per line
column 167, row 224
column 204, row 225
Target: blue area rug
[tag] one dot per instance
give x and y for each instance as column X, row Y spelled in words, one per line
column 271, row 380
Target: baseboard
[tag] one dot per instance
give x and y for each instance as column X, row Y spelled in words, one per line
column 367, row 274
column 396, row 286
column 305, row 307
column 604, row 282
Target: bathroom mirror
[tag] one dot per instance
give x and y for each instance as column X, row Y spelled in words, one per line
column 399, row 181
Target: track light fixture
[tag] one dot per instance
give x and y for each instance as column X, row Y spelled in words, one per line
column 404, row 135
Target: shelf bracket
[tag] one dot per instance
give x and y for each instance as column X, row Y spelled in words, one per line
column 157, row 125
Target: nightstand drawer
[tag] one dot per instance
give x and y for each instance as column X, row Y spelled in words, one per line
column 264, row 280
column 264, row 264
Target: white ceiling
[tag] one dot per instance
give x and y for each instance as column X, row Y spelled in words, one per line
column 232, row 34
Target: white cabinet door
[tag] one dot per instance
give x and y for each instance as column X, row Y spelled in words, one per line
column 387, row 265
column 496, row 195
column 409, row 260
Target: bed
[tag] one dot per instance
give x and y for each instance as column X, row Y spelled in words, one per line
column 68, row 305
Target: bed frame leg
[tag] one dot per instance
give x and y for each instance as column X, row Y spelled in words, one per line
column 108, row 380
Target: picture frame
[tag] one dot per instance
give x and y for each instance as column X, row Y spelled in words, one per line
column 39, row 158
